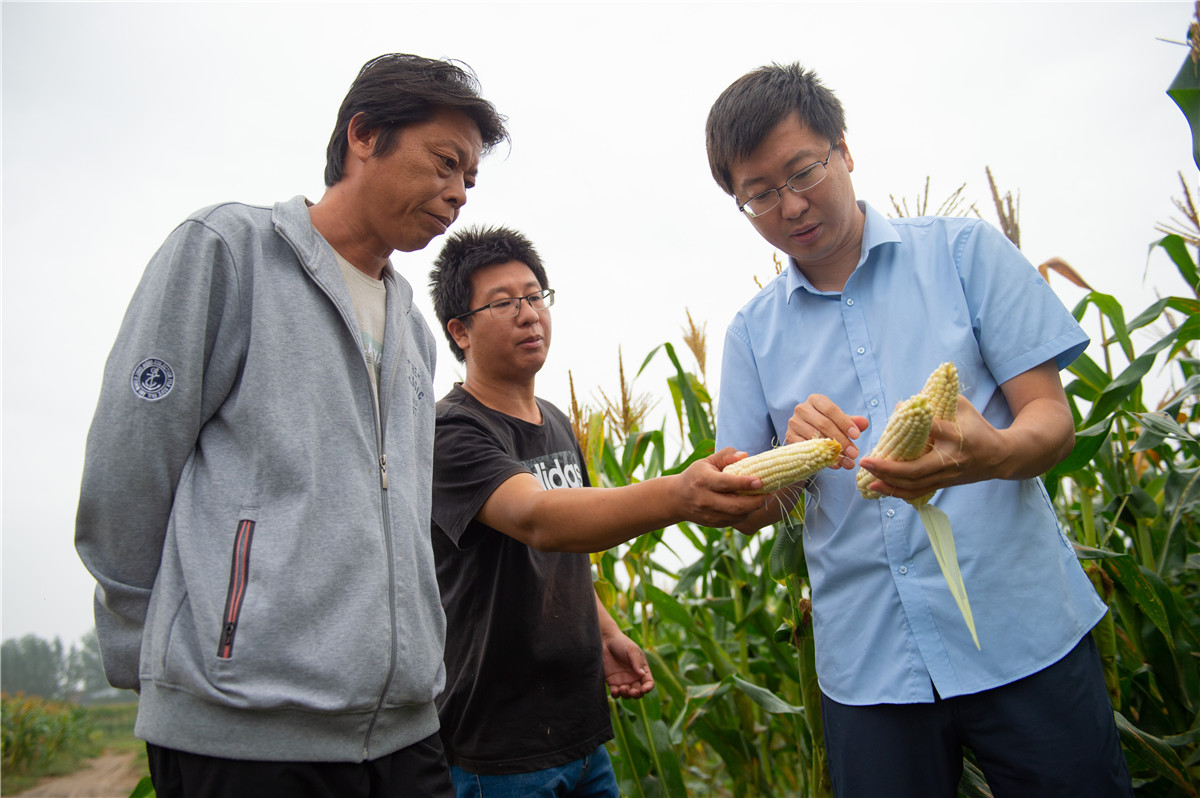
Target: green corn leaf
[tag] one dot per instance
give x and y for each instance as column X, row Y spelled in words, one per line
column 698, row 698
column 666, row 675
column 1136, row 583
column 1150, row 314
column 698, row 426
column 611, row 474
column 670, row 608
column 144, row 789
column 1133, row 505
column 941, row 538
column 1111, row 308
column 1155, row 753
column 1090, row 374
column 635, row 758
column 787, row 552
column 636, row 448
column 765, row 698
column 1158, row 427
column 1176, row 249
column 646, row 361
column 1181, row 492
column 973, row 783
column 595, row 446
column 1185, row 91
column 666, row 759
column 1087, row 443
column 703, row 449
column 1089, row 553
column 1182, row 304
column 1190, row 388
column 1128, row 381
column 1188, row 331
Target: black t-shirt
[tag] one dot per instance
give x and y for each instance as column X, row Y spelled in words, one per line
column 525, row 683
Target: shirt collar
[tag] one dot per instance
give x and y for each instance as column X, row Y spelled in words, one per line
column 877, row 230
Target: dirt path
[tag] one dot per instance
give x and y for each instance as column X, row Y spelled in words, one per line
column 112, row 775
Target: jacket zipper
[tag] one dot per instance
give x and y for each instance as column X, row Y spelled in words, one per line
column 383, row 481
column 238, row 577
column 387, row 537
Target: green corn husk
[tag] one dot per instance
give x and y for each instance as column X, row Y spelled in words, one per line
column 941, row 538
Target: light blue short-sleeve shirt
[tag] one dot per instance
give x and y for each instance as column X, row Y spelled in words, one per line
column 926, row 290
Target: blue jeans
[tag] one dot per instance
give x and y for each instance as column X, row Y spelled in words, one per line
column 589, row 777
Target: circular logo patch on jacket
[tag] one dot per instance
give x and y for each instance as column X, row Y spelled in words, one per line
column 152, row 379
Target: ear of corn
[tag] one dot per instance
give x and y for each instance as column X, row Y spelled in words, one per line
column 780, row 467
column 903, row 438
column 906, row 437
column 941, row 389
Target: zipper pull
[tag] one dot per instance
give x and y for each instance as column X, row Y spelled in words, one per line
column 383, row 469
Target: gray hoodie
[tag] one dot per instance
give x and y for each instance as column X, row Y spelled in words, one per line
column 259, row 539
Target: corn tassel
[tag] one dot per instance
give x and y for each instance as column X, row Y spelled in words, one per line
column 780, row 467
column 906, row 437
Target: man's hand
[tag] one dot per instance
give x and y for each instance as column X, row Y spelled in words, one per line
column 970, row 449
column 965, row 450
column 819, row 417
column 706, row 495
column 625, row 668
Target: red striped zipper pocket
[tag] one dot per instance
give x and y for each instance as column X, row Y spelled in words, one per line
column 239, row 576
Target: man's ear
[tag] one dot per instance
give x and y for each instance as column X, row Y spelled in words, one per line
column 361, row 141
column 846, row 156
column 459, row 332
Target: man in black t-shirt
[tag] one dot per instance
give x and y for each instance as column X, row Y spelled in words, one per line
column 529, row 648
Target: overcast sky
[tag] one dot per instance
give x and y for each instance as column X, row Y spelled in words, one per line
column 121, row 119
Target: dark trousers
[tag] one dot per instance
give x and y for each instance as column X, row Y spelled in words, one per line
column 1049, row 735
column 418, row 771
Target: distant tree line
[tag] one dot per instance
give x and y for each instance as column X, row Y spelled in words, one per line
column 48, row 669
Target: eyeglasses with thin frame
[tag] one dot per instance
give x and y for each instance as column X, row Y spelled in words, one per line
column 806, row 178
column 509, row 307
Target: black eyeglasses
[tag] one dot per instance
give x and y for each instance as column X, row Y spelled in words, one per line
column 509, row 307
column 806, row 178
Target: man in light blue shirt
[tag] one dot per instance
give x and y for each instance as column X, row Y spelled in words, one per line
column 865, row 311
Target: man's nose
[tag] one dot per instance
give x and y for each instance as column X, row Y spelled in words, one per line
column 456, row 194
column 792, row 203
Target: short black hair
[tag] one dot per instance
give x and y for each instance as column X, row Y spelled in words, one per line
column 396, row 90
column 755, row 103
column 466, row 252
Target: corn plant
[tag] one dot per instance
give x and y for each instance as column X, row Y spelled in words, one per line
column 1130, row 492
column 33, row 732
column 726, row 628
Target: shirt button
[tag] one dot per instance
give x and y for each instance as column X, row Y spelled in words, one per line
column 903, row 570
column 862, row 349
column 874, row 402
column 891, row 512
column 850, row 302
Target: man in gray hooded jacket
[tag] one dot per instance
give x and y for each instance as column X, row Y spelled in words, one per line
column 262, row 582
